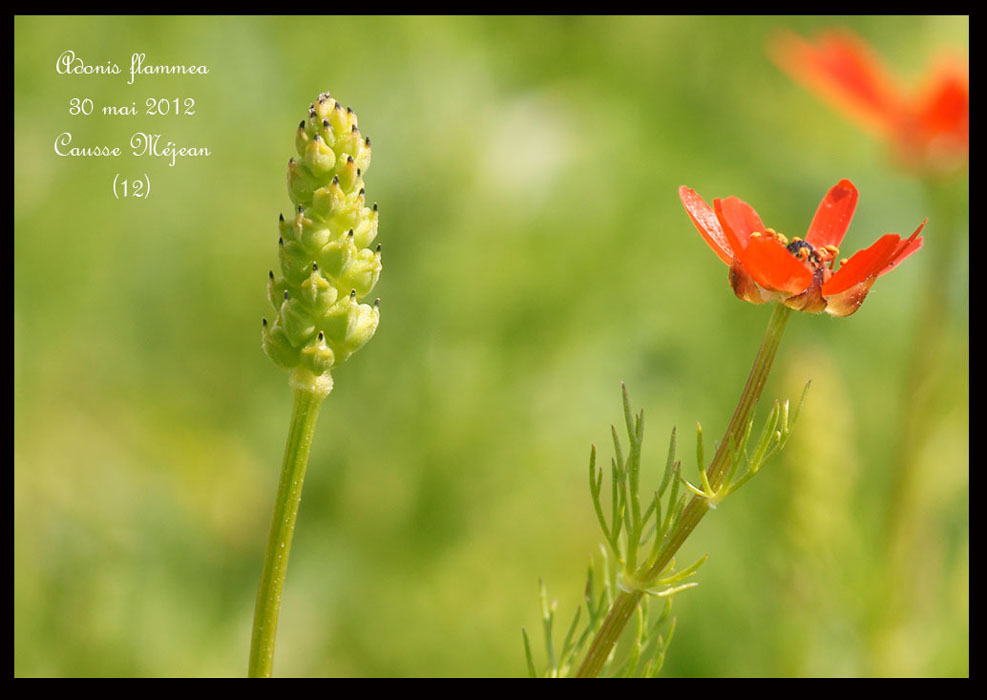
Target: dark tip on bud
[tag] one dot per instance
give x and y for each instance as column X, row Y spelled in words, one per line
column 280, row 240
column 335, row 180
column 300, row 209
column 270, row 273
column 349, row 159
column 280, row 217
column 301, row 124
column 378, row 247
column 338, row 106
column 263, row 322
column 375, row 206
column 359, row 172
column 325, row 123
column 321, row 336
column 286, row 294
column 353, row 294
column 322, row 100
column 377, row 303
column 350, row 234
column 291, row 161
column 350, row 110
column 355, row 130
column 317, row 138
column 367, row 140
column 362, row 191
column 315, row 267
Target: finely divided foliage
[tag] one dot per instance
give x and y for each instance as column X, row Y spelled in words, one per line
column 641, row 540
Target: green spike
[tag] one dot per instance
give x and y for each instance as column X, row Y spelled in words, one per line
column 326, row 262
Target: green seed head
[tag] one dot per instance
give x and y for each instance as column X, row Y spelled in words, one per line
column 327, row 264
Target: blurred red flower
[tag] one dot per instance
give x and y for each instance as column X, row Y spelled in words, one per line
column 930, row 130
column 766, row 266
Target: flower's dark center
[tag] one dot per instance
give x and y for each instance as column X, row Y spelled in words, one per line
column 803, row 251
column 816, row 257
column 795, row 246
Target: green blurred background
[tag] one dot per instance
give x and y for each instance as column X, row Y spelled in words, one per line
column 535, row 256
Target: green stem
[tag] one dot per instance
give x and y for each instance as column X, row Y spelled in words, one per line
column 620, row 612
column 924, row 389
column 303, row 418
column 924, row 364
column 626, row 602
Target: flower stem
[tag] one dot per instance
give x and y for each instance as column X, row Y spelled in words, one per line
column 303, row 418
column 626, row 602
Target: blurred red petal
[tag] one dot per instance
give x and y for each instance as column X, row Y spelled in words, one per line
column 841, row 68
column 944, row 108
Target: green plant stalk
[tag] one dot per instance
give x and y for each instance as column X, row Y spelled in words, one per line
column 625, row 603
column 921, row 401
column 308, row 399
column 326, row 266
column 926, row 358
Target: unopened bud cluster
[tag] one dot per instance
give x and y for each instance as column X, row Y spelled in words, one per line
column 327, row 263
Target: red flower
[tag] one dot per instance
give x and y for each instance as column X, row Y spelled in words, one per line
column 929, row 131
column 766, row 266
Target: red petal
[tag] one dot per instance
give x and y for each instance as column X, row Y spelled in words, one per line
column 706, row 222
column 864, row 264
column 944, row 108
column 833, row 216
column 739, row 221
column 904, row 249
column 738, row 216
column 842, row 69
column 773, row 267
